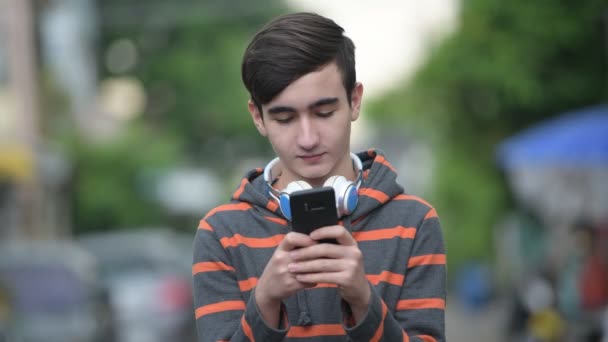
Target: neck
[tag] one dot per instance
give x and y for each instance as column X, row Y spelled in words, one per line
column 344, row 168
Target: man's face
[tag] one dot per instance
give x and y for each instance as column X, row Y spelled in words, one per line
column 308, row 125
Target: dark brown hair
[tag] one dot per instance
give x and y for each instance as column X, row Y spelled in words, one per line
column 291, row 46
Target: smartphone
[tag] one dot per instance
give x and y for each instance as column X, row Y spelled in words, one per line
column 312, row 209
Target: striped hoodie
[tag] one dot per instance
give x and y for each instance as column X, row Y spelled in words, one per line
column 404, row 259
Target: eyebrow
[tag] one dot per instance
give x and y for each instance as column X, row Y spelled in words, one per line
column 286, row 109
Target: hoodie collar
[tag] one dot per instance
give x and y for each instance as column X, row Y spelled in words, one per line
column 378, row 187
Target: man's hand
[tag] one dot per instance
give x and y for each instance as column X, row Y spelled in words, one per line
column 276, row 282
column 340, row 264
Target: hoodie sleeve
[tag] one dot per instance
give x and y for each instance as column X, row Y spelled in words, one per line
column 420, row 311
column 220, row 309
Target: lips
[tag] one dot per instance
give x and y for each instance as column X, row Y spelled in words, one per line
column 311, row 158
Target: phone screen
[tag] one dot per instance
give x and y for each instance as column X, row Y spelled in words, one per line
column 312, row 209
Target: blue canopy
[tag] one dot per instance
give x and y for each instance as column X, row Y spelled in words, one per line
column 577, row 138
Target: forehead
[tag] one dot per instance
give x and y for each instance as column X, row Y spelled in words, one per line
column 322, row 83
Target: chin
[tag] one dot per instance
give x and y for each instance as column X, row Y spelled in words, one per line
column 314, row 173
column 313, row 178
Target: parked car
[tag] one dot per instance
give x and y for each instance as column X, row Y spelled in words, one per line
column 147, row 274
column 49, row 292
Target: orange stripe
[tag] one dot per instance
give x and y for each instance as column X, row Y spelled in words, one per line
column 387, row 277
column 405, row 197
column 428, row 259
column 204, row 225
column 422, row 303
column 380, row 331
column 210, row 266
column 247, row 329
column 405, row 337
column 427, row 338
column 359, row 219
column 228, row 305
column 248, row 284
column 375, row 194
column 272, row 205
column 277, row 220
column 229, row 207
column 238, row 239
column 316, row 330
column 383, row 161
column 241, row 188
column 432, row 213
column 387, row 233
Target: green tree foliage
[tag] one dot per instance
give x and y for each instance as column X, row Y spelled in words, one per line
column 112, row 187
column 508, row 65
column 189, row 55
column 190, row 64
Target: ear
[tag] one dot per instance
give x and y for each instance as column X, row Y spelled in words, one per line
column 355, row 101
column 258, row 119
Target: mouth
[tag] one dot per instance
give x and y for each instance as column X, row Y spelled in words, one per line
column 311, row 158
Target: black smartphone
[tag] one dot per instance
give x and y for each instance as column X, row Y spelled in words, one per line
column 312, row 209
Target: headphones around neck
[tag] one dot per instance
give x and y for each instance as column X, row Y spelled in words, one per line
column 346, row 191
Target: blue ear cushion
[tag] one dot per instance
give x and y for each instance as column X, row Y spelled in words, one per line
column 352, row 199
column 285, row 208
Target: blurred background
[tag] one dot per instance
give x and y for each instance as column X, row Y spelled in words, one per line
column 123, row 122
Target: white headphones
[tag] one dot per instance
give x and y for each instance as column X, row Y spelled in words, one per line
column 347, row 196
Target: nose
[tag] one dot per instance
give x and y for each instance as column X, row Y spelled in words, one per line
column 308, row 135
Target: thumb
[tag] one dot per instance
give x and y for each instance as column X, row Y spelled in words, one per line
column 295, row 240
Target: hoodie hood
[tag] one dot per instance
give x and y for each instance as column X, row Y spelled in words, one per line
column 379, row 185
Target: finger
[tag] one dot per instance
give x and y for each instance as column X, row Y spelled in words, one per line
column 326, row 277
column 316, row 266
column 334, row 232
column 308, row 285
column 295, row 240
column 320, row 250
column 300, row 285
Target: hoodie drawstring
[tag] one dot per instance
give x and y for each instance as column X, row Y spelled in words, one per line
column 304, row 318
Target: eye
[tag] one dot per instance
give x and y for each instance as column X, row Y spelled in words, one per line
column 325, row 114
column 283, row 120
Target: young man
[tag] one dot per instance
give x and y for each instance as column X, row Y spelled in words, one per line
column 254, row 278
